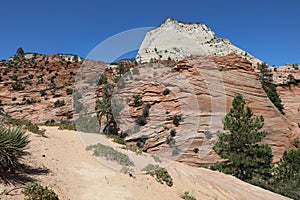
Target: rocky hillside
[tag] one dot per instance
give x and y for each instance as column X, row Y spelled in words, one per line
column 200, row 91
column 187, row 99
column 177, row 40
column 38, row 87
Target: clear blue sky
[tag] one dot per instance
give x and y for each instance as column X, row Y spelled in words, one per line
column 270, row 30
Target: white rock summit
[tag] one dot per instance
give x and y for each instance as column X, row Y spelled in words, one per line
column 177, row 40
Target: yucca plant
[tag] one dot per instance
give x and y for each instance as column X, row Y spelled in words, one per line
column 13, row 142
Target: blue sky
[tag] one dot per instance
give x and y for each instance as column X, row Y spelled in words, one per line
column 270, row 30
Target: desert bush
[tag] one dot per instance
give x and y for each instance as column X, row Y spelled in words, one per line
column 59, row 103
column 43, row 93
column 141, row 141
column 35, row 191
column 187, row 196
column 156, row 158
column 67, row 125
column 291, row 79
column 196, row 150
column 208, row 134
column 173, row 132
column 166, row 91
column 26, row 124
column 160, row 173
column 133, row 148
column 117, row 139
column 110, row 154
column 177, row 119
column 296, row 142
column 17, row 86
column 170, row 140
column 137, row 100
column 13, row 142
column 141, row 120
column 69, row 91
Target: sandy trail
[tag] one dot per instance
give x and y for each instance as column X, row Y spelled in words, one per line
column 76, row 175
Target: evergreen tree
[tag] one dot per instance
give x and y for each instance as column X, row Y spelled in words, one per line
column 104, row 109
column 266, row 78
column 20, row 51
column 244, row 157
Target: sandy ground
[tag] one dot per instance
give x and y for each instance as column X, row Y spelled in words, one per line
column 76, row 175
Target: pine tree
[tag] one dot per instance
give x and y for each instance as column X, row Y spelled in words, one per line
column 266, row 78
column 244, row 156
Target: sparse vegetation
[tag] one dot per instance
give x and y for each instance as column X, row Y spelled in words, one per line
column 67, row 125
column 160, row 173
column 110, row 154
column 196, row 150
column 69, row 91
column 156, row 158
column 59, row 103
column 291, row 79
column 177, row 119
column 187, row 196
column 43, row 93
column 166, row 91
column 26, row 124
column 117, row 139
column 142, row 120
column 35, row 191
column 133, row 148
column 137, row 100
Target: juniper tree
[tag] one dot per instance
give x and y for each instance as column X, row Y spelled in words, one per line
column 244, row 156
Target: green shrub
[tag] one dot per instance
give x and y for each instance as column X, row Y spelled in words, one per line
column 160, row 173
column 141, row 120
column 187, row 196
column 137, row 100
column 166, row 91
column 117, row 139
column 133, row 148
column 291, row 79
column 146, row 110
column 59, row 103
column 43, row 93
column 110, row 154
column 69, row 91
column 156, row 158
column 177, row 119
column 195, row 150
column 173, row 132
column 35, row 191
column 67, row 125
column 13, row 142
column 26, row 124
column 141, row 141
column 208, row 135
column 17, row 86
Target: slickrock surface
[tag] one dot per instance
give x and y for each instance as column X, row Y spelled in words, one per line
column 76, row 175
column 177, row 40
column 202, row 89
